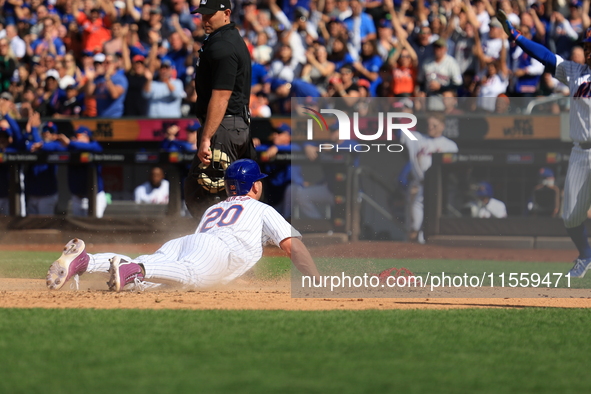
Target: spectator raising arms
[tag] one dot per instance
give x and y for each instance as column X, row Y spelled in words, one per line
column 399, row 47
column 319, row 68
column 135, row 72
column 165, row 95
column 108, row 85
column 95, row 25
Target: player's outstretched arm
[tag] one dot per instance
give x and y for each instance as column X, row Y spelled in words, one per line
column 535, row 50
column 300, row 256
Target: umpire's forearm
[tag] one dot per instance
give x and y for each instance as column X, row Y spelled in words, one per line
column 216, row 110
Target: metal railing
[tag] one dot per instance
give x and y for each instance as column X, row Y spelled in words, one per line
column 546, row 100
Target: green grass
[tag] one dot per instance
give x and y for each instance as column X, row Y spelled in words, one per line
column 24, row 264
column 406, row 351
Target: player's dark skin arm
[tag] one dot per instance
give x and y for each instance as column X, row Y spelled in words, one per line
column 216, row 110
column 300, row 256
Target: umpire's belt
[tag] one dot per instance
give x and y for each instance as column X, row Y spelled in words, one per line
column 202, row 120
column 584, row 145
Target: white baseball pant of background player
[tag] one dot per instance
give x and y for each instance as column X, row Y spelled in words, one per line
column 419, row 153
column 80, row 205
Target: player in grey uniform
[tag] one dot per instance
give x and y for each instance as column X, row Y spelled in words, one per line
column 228, row 242
column 577, row 189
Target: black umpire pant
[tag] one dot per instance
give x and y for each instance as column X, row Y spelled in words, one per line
column 233, row 138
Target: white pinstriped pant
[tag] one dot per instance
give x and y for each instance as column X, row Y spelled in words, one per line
column 414, row 207
column 577, row 189
column 198, row 260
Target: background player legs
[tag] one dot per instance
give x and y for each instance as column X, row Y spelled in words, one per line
column 307, row 198
column 285, row 206
column 80, row 205
column 414, row 219
column 4, row 206
column 577, row 199
column 42, row 205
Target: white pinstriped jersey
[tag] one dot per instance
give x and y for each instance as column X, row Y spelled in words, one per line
column 578, row 78
column 244, row 225
column 420, row 151
column 577, row 188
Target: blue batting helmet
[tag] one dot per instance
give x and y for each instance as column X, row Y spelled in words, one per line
column 484, row 190
column 241, row 175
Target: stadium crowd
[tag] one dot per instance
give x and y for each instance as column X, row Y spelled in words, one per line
column 104, row 58
column 136, row 58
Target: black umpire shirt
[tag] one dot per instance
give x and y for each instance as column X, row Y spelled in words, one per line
column 224, row 63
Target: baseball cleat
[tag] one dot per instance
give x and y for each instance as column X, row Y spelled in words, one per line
column 73, row 261
column 580, row 268
column 123, row 273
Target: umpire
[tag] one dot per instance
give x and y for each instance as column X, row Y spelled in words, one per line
column 222, row 82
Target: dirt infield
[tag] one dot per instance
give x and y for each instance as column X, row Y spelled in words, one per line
column 252, row 294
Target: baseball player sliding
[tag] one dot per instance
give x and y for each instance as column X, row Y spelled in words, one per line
column 577, row 190
column 228, row 242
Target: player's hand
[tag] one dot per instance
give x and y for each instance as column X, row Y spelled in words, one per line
column 519, row 72
column 63, row 139
column 36, row 146
column 204, row 152
column 512, row 32
column 272, row 152
column 311, row 152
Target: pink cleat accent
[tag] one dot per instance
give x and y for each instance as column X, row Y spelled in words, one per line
column 73, row 261
column 123, row 273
